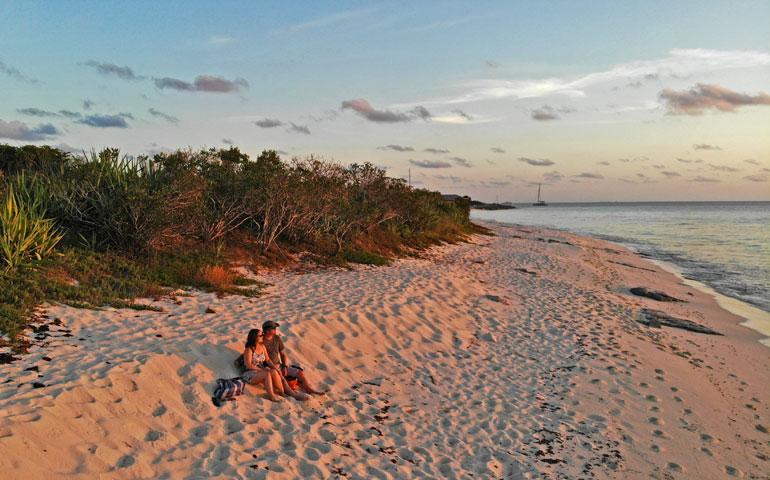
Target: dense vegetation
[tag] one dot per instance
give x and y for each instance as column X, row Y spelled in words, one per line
column 103, row 229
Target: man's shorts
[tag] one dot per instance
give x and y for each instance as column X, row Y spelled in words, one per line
column 292, row 371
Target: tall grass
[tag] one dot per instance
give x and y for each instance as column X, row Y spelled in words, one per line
column 25, row 233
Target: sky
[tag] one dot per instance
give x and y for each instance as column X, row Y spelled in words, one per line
column 595, row 100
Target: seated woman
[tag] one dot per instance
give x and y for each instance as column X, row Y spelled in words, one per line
column 259, row 369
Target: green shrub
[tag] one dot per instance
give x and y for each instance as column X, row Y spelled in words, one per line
column 367, row 258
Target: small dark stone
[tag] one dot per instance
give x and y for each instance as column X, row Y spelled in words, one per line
column 7, row 358
column 653, row 294
column 38, row 385
column 47, row 359
column 32, row 369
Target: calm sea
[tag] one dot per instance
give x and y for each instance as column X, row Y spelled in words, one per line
column 725, row 245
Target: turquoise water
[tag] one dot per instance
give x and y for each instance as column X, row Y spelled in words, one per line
column 725, row 245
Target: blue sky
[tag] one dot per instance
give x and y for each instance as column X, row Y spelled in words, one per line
column 595, row 100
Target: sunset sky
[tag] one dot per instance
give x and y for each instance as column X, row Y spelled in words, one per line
column 616, row 101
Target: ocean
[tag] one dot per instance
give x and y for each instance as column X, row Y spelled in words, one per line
column 724, row 245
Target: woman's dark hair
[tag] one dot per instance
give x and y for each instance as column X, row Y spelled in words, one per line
column 251, row 340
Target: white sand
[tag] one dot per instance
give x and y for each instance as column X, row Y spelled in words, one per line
column 456, row 365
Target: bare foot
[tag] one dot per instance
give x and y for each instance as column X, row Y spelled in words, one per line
column 302, row 397
column 274, row 399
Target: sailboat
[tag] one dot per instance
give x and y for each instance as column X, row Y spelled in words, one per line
column 540, row 203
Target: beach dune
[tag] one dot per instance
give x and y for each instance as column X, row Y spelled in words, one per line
column 513, row 356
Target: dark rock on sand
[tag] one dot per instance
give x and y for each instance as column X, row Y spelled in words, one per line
column 656, row 319
column 7, row 358
column 654, row 294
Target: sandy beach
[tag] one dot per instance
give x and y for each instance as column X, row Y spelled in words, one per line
column 513, row 356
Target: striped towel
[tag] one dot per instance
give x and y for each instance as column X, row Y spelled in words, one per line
column 228, row 388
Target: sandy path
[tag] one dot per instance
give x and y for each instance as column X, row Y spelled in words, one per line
column 455, row 365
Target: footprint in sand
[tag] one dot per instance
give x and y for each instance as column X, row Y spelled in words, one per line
column 153, row 435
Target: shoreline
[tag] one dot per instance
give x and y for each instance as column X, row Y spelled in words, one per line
column 516, row 356
column 756, row 318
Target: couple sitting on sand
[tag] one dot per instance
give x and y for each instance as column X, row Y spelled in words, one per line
column 265, row 362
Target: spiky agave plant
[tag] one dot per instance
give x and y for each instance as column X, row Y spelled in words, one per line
column 25, row 233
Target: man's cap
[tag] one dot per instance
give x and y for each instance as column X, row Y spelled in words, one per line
column 269, row 324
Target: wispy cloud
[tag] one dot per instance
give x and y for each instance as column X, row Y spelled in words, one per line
column 21, row 131
column 219, row 41
column 638, row 159
column 298, row 128
column 87, row 104
column 680, row 63
column 603, row 162
column 705, row 146
column 538, row 162
column 704, row 97
column 111, row 70
column 396, row 148
column 497, row 149
column 590, row 175
column 330, row 19
column 751, row 161
column 553, row 176
column 463, row 162
column 202, row 83
column 703, row 179
column 268, row 123
column 107, row 121
column 228, row 141
column 430, row 163
column 37, row 112
column 723, row 168
column 687, row 160
column 436, row 151
column 757, row 178
column 363, row 108
column 16, row 74
column 670, row 174
column 165, row 116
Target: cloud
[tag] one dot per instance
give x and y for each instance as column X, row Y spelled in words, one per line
column 396, row 148
column 202, row 83
column 704, row 146
column 553, row 176
column 589, row 175
column 544, row 113
column 670, row 174
column 723, row 168
column 491, row 64
column 106, row 121
column 679, row 63
column 451, row 178
column 751, row 161
column 15, row 74
column 165, row 116
column 268, row 123
column 362, row 107
column 87, row 104
column 36, row 112
column 430, row 163
column 463, row 162
column 645, row 179
column 436, row 151
column 700, row 178
column 603, row 162
column 703, row 97
column 685, row 160
column 757, row 178
column 219, row 41
column 110, row 69
column 21, row 131
column 638, row 159
column 541, row 162
column 497, row 149
column 70, row 114
column 462, row 114
column 330, row 19
column 227, row 141
column 298, row 128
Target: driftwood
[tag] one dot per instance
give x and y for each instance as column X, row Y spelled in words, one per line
column 657, row 319
column 654, row 294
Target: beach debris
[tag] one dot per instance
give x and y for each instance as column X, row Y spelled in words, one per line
column 654, row 294
column 496, row 298
column 210, row 310
column 656, row 319
column 375, row 381
column 486, row 337
column 524, row 270
column 7, row 358
column 481, row 262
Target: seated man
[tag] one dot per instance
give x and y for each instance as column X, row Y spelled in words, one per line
column 275, row 350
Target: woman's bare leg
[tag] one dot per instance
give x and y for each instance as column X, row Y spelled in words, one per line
column 264, row 376
column 293, row 393
column 278, row 385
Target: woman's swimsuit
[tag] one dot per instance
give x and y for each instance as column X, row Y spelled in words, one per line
column 258, row 360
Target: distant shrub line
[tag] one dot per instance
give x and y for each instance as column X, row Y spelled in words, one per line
column 181, row 218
